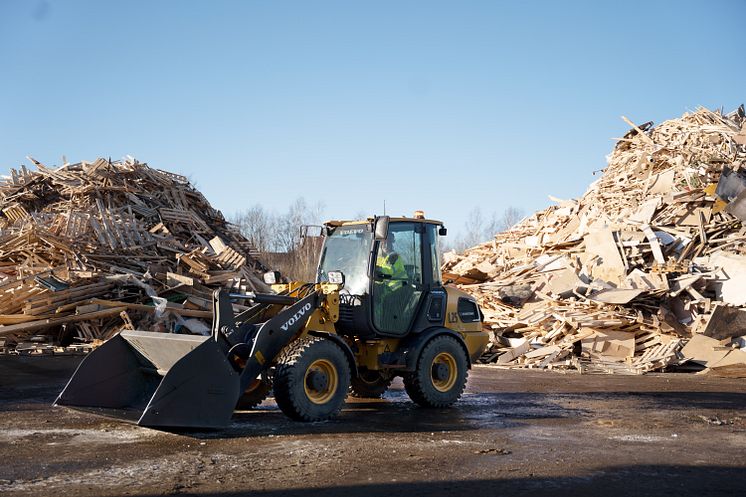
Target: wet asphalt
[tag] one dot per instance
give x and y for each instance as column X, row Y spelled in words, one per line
column 514, row 432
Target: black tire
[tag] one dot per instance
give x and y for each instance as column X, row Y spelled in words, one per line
column 440, row 377
column 311, row 379
column 257, row 392
column 370, row 384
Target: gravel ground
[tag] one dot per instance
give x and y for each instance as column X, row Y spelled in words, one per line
column 514, row 432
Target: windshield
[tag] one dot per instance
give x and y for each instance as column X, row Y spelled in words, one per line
column 346, row 250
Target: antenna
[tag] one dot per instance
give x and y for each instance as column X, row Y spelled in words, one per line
column 384, row 207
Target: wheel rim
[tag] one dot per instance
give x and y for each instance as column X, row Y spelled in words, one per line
column 253, row 386
column 320, row 381
column 444, row 382
column 370, row 378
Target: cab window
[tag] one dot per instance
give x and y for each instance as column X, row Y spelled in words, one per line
column 397, row 283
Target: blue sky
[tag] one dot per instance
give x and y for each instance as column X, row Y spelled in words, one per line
column 441, row 106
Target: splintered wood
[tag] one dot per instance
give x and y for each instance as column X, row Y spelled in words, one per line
column 618, row 281
column 89, row 249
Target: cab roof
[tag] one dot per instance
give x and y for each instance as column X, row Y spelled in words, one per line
column 336, row 223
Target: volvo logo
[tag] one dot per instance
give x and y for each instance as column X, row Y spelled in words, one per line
column 296, row 317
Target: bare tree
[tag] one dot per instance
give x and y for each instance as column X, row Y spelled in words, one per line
column 511, row 216
column 277, row 237
column 479, row 229
column 287, row 226
column 474, row 227
column 257, row 225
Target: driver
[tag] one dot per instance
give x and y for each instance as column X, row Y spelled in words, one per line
column 390, row 265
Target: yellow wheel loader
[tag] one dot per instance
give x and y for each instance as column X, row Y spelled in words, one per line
column 377, row 310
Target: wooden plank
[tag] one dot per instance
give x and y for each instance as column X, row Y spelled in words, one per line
column 41, row 324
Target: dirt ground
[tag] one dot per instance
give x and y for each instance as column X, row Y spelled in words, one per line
column 513, row 433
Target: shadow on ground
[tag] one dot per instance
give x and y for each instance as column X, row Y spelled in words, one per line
column 628, row 481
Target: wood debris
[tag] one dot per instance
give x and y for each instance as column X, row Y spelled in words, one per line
column 652, row 256
column 88, row 249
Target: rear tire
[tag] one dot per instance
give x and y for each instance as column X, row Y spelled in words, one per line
column 311, row 379
column 370, row 384
column 257, row 392
column 440, row 377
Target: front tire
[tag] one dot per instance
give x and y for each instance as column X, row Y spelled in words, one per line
column 311, row 379
column 441, row 373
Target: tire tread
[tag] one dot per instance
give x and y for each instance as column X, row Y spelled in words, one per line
column 415, row 383
column 285, row 379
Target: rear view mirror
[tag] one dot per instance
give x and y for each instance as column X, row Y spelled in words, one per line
column 382, row 228
column 442, row 231
column 311, row 231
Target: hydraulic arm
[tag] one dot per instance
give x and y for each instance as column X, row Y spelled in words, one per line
column 251, row 347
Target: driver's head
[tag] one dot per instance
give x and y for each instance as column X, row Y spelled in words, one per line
column 388, row 244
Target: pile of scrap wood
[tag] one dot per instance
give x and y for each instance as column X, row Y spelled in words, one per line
column 645, row 271
column 89, row 249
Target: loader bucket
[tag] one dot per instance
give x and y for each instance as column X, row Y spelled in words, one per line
column 161, row 379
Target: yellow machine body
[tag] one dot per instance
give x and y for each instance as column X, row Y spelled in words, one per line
column 378, row 309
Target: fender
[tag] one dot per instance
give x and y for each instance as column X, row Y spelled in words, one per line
column 343, row 345
column 411, row 347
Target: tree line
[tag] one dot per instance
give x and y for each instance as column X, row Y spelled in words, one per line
column 277, row 236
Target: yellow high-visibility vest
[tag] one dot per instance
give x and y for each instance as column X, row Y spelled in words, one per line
column 392, row 265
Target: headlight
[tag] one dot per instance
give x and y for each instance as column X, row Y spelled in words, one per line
column 336, row 277
column 272, row 277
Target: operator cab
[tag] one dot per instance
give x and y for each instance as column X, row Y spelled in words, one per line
column 392, row 283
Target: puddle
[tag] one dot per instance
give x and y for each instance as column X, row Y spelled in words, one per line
column 643, row 438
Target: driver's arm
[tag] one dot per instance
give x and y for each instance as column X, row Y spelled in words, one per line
column 400, row 272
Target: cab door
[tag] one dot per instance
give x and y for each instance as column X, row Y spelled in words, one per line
column 397, row 283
